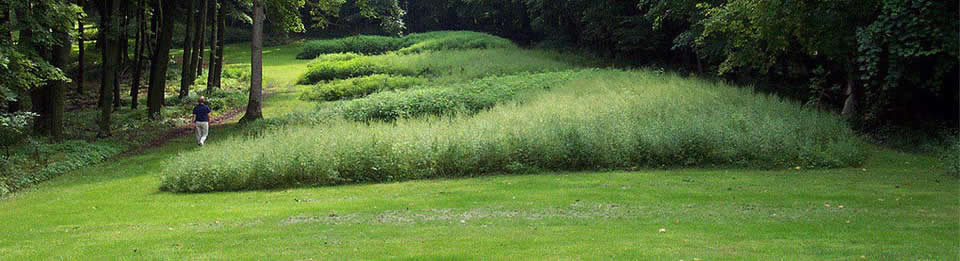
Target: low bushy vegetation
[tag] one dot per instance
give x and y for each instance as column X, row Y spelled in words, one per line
column 951, row 158
column 468, row 97
column 458, row 64
column 602, row 119
column 359, row 87
column 365, row 44
column 431, row 41
column 452, row 40
column 36, row 162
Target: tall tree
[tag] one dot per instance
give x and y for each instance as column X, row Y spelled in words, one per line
column 214, row 28
column 138, row 53
column 201, row 29
column 255, row 101
column 186, row 71
column 218, row 68
column 111, row 62
column 161, row 58
column 57, row 92
column 80, row 56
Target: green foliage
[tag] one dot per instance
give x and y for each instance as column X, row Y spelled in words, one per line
column 22, row 64
column 911, row 46
column 452, row 40
column 600, row 119
column 468, row 97
column 14, row 127
column 456, row 64
column 359, row 87
column 364, row 44
column 40, row 162
column 330, row 70
column 239, row 72
column 432, row 41
column 950, row 158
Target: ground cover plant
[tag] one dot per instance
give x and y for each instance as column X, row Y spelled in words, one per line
column 455, row 64
column 365, row 44
column 359, row 87
column 440, row 99
column 601, row 119
column 412, row 43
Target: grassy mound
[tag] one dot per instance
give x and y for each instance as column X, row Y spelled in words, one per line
column 431, row 41
column 452, row 40
column 467, row 97
column 460, row 64
column 603, row 119
column 359, row 87
column 365, row 44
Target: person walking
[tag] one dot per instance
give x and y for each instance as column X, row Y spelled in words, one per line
column 201, row 120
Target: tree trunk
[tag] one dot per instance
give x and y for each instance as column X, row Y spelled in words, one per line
column 256, row 66
column 80, row 57
column 57, row 94
column 102, row 44
column 124, row 43
column 186, row 71
column 124, row 55
column 201, row 29
column 111, row 64
column 851, row 103
column 161, row 58
column 213, row 48
column 138, row 55
column 25, row 44
column 218, row 69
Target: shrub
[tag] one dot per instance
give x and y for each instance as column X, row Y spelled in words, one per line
column 455, row 64
column 333, row 57
column 464, row 97
column 13, row 129
column 359, row 87
column 413, row 43
column 320, row 71
column 458, row 40
column 365, row 44
column 950, row 158
column 240, row 72
column 599, row 120
column 42, row 162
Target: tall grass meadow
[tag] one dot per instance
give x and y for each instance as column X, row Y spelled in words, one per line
column 413, row 43
column 598, row 120
column 451, row 64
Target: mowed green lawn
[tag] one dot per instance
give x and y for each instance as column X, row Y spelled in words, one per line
column 897, row 207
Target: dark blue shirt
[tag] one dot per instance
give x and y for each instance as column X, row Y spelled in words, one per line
column 202, row 112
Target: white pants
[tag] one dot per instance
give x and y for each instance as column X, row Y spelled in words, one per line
column 202, row 130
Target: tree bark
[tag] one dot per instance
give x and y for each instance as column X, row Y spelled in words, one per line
column 218, row 70
column 186, row 71
column 57, row 93
column 852, row 102
column 138, row 53
column 111, row 64
column 255, row 102
column 161, row 58
column 25, row 43
column 81, row 76
column 213, row 48
column 125, row 43
column 102, row 44
column 201, row 29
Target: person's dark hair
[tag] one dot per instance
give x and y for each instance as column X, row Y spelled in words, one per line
column 202, row 100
